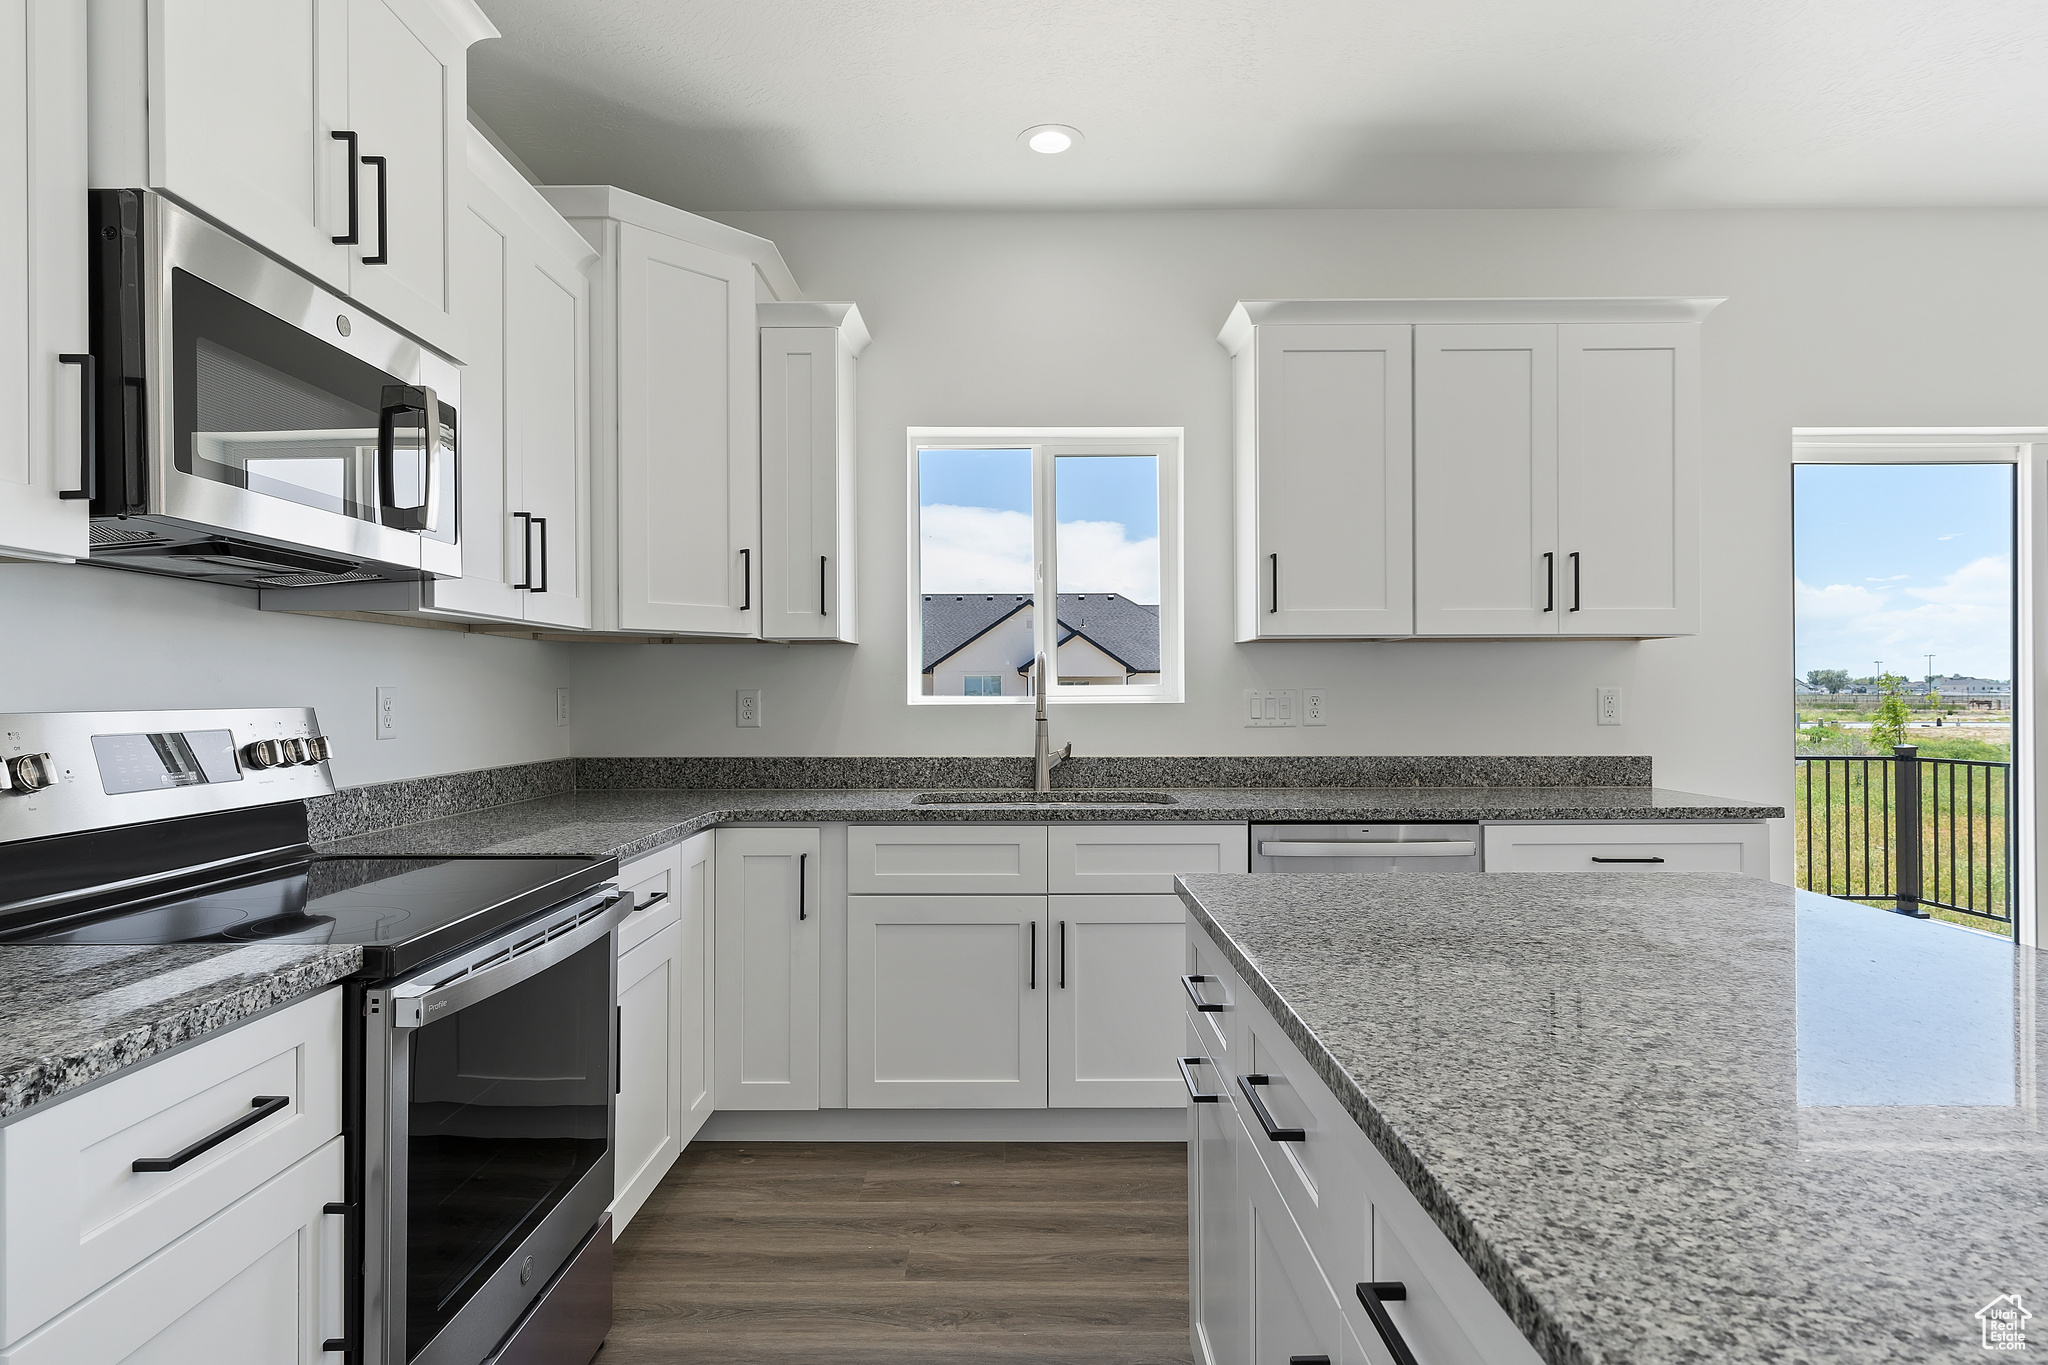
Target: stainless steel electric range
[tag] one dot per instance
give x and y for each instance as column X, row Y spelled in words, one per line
column 480, row 1062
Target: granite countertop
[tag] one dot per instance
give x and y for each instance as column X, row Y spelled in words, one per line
column 627, row 823
column 1679, row 1117
column 76, row 1012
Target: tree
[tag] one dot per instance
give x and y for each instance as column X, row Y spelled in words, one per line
column 1833, row 679
column 1888, row 726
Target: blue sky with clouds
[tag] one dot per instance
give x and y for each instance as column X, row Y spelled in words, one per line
column 1892, row 562
column 975, row 515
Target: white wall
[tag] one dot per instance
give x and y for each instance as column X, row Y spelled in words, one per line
column 78, row 638
column 1835, row 318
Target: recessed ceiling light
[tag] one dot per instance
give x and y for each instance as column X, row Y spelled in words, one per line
column 1050, row 138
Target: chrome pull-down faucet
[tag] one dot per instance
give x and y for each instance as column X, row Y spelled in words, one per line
column 1043, row 759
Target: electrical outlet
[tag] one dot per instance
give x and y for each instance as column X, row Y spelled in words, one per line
column 749, row 708
column 1315, row 706
column 1608, row 710
column 387, row 713
column 561, row 706
column 1265, row 708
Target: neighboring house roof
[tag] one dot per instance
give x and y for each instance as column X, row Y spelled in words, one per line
column 1127, row 631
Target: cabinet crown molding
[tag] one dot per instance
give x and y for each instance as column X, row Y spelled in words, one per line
column 1250, row 313
column 845, row 317
column 609, row 201
column 471, row 24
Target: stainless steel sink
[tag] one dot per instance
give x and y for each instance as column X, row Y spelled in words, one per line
column 1066, row 798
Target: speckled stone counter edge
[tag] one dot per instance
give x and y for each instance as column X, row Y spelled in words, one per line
column 44, row 1078
column 1550, row 1338
column 358, row 810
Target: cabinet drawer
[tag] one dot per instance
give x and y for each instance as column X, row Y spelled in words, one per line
column 73, row 1210
column 945, row 860
column 1139, row 859
column 654, row 883
column 1210, row 982
column 1741, row 846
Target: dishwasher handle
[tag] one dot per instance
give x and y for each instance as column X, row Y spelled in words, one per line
column 1368, row 848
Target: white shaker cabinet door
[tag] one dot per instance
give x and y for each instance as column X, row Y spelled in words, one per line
column 1486, row 554
column 766, row 951
column 807, row 475
column 1115, row 1014
column 1217, row 1278
column 946, row 1002
column 407, row 102
column 43, row 297
column 694, row 1031
column 1628, row 415
column 1291, row 1308
column 689, row 469
column 1326, row 533
column 651, row 1002
column 245, row 99
column 548, row 300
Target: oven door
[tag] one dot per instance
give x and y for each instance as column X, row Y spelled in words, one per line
column 283, row 413
column 488, row 1126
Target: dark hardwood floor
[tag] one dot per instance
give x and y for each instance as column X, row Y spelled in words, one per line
column 864, row 1253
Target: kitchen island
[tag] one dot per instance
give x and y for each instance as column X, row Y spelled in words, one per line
column 1647, row 1117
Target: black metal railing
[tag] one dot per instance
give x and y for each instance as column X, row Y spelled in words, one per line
column 1926, row 835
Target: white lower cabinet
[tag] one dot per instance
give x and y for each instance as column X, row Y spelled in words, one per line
column 946, row 1002
column 1216, row 1280
column 1669, row 846
column 1292, row 1313
column 1113, row 1013
column 765, row 961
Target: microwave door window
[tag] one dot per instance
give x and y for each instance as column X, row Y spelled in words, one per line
column 264, row 406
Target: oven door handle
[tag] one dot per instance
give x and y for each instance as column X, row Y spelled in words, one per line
column 526, row 953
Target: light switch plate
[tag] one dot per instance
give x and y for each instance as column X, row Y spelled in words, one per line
column 1608, row 706
column 1315, row 706
column 749, row 712
column 387, row 713
column 1266, row 708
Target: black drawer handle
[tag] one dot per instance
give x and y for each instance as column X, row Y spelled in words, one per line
column 1628, row 860
column 354, row 197
column 656, row 899
column 1274, row 1132
column 1196, row 1096
column 1308, row 1360
column 261, row 1108
column 1206, row 1007
column 350, row 1232
column 803, row 876
column 383, row 256
column 1373, row 1296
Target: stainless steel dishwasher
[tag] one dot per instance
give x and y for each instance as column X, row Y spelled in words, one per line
column 1366, row 848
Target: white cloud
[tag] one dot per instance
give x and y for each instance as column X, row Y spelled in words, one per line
column 1965, row 622
column 1895, row 578
column 1097, row 556
column 974, row 549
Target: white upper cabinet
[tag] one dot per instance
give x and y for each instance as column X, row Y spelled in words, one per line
column 329, row 132
column 676, row 393
column 1323, row 482
column 43, row 298
column 808, row 587
column 1548, row 472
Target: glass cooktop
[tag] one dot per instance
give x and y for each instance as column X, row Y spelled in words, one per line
column 402, row 911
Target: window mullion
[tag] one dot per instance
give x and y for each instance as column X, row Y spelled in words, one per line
column 1045, row 529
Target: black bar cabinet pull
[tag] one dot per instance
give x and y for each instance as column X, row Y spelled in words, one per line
column 354, row 197
column 1575, row 580
column 656, row 899
column 260, row 1108
column 1628, row 860
column 1195, row 1096
column 1274, row 610
column 1373, row 1296
column 821, row 587
column 1274, row 1132
column 1063, row 954
column 1550, row 580
column 526, row 556
column 341, row 1343
column 1308, row 1360
column 383, row 256
column 1034, row 955
column 746, row 580
column 88, row 426
column 803, row 862
column 618, row 1049
column 542, row 586
column 1204, row 1006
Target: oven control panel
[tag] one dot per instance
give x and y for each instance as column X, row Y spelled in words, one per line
column 65, row 771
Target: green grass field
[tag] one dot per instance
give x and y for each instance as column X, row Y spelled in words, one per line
column 1842, row 835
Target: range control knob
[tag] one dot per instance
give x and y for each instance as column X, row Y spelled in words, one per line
column 322, row 749
column 267, row 753
column 31, row 772
column 301, row 750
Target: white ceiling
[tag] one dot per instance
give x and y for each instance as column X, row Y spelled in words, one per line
column 760, row 104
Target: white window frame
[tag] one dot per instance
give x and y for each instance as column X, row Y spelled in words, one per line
column 2025, row 448
column 1046, row 444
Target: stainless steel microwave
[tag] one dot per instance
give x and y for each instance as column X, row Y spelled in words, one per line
column 251, row 427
